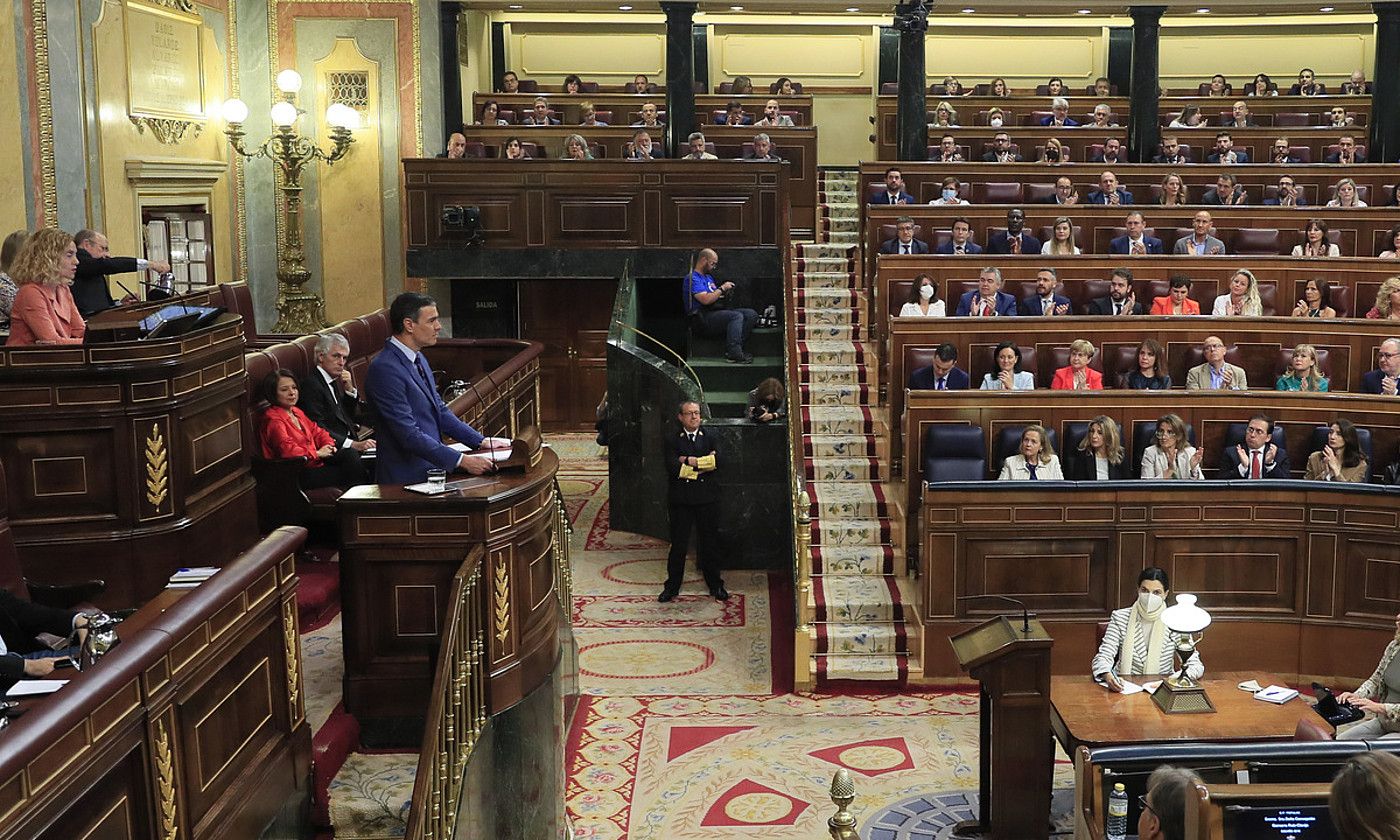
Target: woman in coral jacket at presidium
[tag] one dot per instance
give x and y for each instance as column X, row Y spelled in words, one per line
column 44, row 311
column 285, row 432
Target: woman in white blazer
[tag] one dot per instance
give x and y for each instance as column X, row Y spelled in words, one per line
column 1172, row 456
column 1009, row 376
column 1137, row 642
column 1036, row 461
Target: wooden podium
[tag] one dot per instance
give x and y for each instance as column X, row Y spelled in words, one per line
column 1010, row 658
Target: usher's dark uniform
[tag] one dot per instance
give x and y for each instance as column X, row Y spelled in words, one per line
column 694, row 503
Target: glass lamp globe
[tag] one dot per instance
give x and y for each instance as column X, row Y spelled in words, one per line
column 289, row 81
column 235, row 112
column 342, row 116
column 1184, row 616
column 283, row 114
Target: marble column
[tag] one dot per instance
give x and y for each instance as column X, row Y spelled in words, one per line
column 911, row 20
column 1144, row 127
column 1385, row 87
column 680, row 76
column 451, row 72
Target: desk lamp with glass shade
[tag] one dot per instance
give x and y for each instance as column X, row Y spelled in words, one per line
column 1179, row 694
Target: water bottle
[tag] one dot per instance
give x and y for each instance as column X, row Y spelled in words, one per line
column 1117, row 813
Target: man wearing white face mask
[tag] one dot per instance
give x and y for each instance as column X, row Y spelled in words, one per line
column 1137, row 642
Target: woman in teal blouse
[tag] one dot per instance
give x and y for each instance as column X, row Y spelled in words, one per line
column 1304, row 375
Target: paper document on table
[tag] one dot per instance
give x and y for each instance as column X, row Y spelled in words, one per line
column 1129, row 687
column 29, row 688
column 491, row 454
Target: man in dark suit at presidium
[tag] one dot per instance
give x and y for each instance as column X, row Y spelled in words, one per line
column 95, row 262
column 411, row 419
column 693, row 503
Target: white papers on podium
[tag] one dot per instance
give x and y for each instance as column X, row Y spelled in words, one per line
column 1279, row 694
column 31, row 688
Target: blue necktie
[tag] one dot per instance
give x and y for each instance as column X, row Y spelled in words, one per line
column 1031, row 467
column 422, row 365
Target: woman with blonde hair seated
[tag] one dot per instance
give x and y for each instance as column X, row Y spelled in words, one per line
column 1304, row 374
column 1077, row 375
column 1172, row 456
column 1243, row 297
column 1365, row 799
column 576, row 148
column 1387, row 306
column 1347, row 195
column 1137, row 642
column 1380, row 696
column 1174, row 191
column 1035, row 461
column 945, row 116
column 1340, row 458
column 1061, row 239
column 1099, row 456
column 1054, row 153
column 44, row 311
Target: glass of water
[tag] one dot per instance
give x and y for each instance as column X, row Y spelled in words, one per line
column 437, row 481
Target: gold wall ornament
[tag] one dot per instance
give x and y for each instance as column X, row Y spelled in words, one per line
column 168, row 132
column 165, row 780
column 157, row 468
column 292, row 650
column 48, row 174
column 177, row 5
column 502, row 603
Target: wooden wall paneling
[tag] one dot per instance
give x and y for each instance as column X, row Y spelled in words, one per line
column 1227, row 544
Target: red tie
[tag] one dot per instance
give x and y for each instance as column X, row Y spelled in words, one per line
column 1016, row 244
column 1256, row 470
column 987, row 310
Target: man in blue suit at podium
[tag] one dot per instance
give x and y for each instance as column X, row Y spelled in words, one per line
column 412, row 418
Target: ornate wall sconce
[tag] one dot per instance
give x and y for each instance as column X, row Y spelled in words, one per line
column 299, row 310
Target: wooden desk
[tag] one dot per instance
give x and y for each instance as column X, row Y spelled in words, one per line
column 1084, row 713
column 399, row 552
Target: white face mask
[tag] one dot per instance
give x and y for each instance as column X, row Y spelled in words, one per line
column 995, row 122
column 1149, row 601
column 926, row 292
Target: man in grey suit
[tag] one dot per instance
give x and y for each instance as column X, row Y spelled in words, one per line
column 1200, row 243
column 1216, row 374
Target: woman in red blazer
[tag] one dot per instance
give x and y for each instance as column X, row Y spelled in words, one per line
column 44, row 312
column 1078, row 376
column 1177, row 302
column 285, row 432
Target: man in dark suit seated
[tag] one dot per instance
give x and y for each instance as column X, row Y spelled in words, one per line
column 947, row 151
column 22, row 655
column 1111, row 154
column 903, row 241
column 1171, row 152
column 1225, row 151
column 1059, row 114
column 1001, row 150
column 1135, row 242
column 411, row 420
column 1347, row 151
column 1064, row 193
column 328, row 396
column 540, row 114
column 762, row 149
column 1240, row 116
column 1282, row 153
column 1307, row 84
column 643, row 147
column 1385, row 378
column 987, row 300
column 95, row 262
column 894, row 189
column 943, row 375
column 1045, row 301
column 1289, row 194
column 734, row 115
column 1013, row 240
column 1121, row 299
column 1109, row 192
column 1226, row 192
column 1259, row 457
column 961, row 243
column 1356, row 85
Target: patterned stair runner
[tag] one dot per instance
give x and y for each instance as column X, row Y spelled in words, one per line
column 860, row 632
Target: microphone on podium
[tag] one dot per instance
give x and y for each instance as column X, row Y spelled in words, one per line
column 1025, row 613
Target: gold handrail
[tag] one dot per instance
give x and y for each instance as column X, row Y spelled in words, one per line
column 457, row 707
column 659, row 343
column 801, row 502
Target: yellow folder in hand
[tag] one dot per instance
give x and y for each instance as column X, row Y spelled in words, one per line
column 705, row 463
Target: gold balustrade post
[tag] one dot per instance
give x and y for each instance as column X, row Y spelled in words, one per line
column 802, row 642
column 843, row 792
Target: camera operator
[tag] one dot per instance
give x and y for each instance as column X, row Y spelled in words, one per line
column 766, row 401
column 711, row 313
